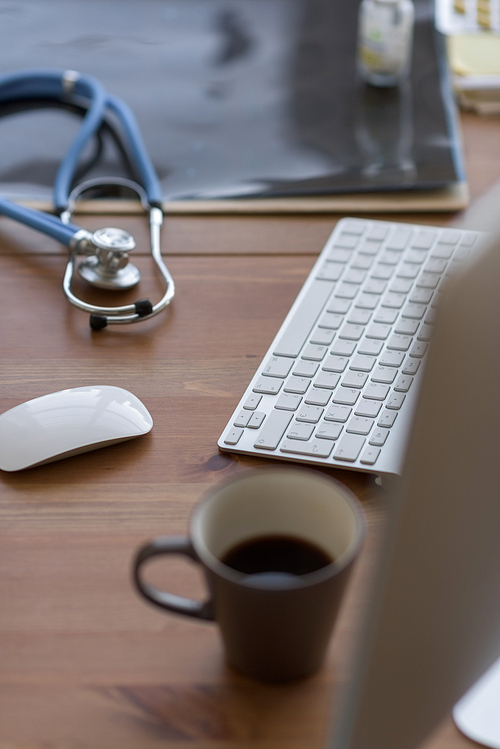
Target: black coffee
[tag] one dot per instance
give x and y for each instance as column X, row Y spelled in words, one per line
column 288, row 554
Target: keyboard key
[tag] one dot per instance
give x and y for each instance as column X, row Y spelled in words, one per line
column 377, row 392
column 273, row 430
column 392, row 358
column 395, row 401
column 403, row 383
column 312, row 352
column 363, row 262
column 305, row 368
column 349, row 447
column 338, row 413
column 435, row 265
column 242, row 418
column 328, row 380
column 362, row 363
column 337, row 260
column 378, row 232
column 288, row 402
column 399, row 239
column 355, row 276
column 334, row 363
column 329, row 272
column 443, row 251
column 385, row 315
column 267, row 385
column 367, row 301
column 399, row 342
column 418, row 349
column 338, row 306
column 346, row 396
column 411, row 366
column 360, row 425
column 370, row 456
column 297, row 385
column 322, row 336
column 256, row 420
column 354, row 379
column 314, row 448
column 425, row 332
column 351, row 332
column 401, row 285
column 340, row 256
column 233, row 436
column 318, row 397
column 346, row 240
column 378, row 331
column 385, row 375
column 383, row 272
column 310, row 414
column 329, row 430
column 375, row 286
column 468, row 240
column 428, row 280
column 368, row 408
column 389, row 258
column 370, row 347
column 359, row 316
column 343, row 348
column 387, row 418
column 252, row 401
column 393, row 300
column 331, row 320
column 346, row 291
column 408, row 270
column 406, row 326
column 277, row 366
column 351, row 226
column 449, row 237
column 300, row 431
column 414, row 311
column 369, row 247
column 416, row 256
column 424, row 239
column 420, row 296
column 379, row 436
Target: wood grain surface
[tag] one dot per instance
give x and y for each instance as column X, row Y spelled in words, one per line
column 85, row 663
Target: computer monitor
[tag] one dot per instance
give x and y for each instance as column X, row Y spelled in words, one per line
column 432, row 626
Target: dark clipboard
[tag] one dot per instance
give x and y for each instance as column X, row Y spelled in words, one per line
column 245, row 105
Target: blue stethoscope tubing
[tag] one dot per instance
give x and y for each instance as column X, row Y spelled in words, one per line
column 41, row 84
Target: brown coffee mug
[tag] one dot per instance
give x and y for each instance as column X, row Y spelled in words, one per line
column 276, row 547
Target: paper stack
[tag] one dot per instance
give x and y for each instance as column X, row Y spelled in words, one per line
column 472, row 29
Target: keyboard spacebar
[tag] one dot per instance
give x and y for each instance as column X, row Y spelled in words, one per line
column 305, row 316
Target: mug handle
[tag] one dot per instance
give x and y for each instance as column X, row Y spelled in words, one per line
column 162, row 598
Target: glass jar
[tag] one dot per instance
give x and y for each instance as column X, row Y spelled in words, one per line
column 385, row 34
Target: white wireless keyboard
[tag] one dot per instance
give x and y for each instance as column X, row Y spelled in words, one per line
column 338, row 384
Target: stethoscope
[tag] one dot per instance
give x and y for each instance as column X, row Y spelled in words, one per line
column 106, row 250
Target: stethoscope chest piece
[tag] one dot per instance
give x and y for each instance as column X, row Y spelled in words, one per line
column 109, row 267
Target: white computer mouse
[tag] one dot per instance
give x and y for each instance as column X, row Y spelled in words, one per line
column 69, row 422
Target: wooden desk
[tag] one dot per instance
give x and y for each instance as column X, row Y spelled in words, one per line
column 84, row 663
